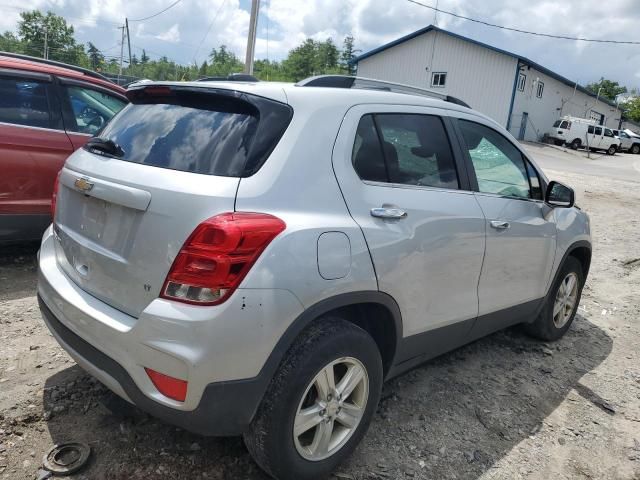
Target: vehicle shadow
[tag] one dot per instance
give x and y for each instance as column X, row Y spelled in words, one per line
column 18, row 270
column 453, row 417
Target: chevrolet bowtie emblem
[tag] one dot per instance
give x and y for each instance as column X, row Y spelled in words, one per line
column 83, row 184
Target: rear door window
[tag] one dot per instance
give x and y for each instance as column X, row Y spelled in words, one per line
column 200, row 132
column 417, row 150
column 409, row 149
column 25, row 102
column 91, row 108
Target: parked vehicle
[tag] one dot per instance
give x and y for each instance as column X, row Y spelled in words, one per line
column 583, row 133
column 257, row 258
column 47, row 110
column 628, row 143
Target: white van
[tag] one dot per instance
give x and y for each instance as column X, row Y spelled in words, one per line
column 581, row 132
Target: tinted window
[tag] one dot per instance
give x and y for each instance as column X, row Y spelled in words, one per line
column 608, row 133
column 564, row 124
column 556, row 124
column 199, row 132
column 417, row 150
column 91, row 108
column 590, row 129
column 24, row 102
column 367, row 157
column 598, row 130
column 498, row 164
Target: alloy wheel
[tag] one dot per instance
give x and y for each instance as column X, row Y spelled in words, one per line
column 331, row 409
column 566, row 299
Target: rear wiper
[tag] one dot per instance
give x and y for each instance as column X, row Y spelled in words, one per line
column 104, row 146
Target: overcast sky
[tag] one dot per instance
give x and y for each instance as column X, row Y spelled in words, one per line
column 283, row 24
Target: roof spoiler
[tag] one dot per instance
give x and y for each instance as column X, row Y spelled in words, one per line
column 347, row 81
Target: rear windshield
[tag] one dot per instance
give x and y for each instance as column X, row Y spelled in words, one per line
column 226, row 135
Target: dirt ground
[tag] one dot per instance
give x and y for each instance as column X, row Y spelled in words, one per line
column 505, row 407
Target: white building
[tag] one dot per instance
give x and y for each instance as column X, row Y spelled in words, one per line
column 518, row 93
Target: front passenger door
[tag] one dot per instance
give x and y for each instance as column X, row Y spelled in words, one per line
column 521, row 233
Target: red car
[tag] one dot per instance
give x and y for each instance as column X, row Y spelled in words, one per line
column 47, row 110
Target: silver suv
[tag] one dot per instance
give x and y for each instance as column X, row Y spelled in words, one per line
column 257, row 258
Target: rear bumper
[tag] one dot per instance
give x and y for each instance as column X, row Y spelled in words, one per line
column 225, row 409
column 221, row 350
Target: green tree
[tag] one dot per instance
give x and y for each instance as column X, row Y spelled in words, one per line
column 348, row 53
column 144, row 58
column 224, row 62
column 96, row 58
column 326, row 57
column 34, row 26
column 607, row 88
column 301, row 62
column 632, row 109
column 10, row 43
column 202, row 71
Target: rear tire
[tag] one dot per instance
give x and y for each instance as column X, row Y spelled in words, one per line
column 561, row 304
column 635, row 149
column 575, row 144
column 612, row 150
column 301, row 396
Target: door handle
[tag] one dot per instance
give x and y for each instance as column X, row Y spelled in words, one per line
column 499, row 224
column 388, row 212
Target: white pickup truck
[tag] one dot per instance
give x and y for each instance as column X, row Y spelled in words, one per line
column 629, row 141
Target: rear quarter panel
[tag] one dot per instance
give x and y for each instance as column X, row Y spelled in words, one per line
column 298, row 185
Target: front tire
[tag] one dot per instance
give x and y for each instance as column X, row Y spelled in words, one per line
column 575, row 145
column 635, row 149
column 612, row 150
column 319, row 404
column 562, row 303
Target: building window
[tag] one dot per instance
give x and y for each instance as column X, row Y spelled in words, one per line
column 540, row 89
column 438, row 79
column 522, row 80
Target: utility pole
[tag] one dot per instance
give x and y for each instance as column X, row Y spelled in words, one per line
column 126, row 23
column 45, row 53
column 251, row 39
column 121, row 52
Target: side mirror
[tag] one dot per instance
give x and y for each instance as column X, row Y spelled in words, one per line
column 559, row 195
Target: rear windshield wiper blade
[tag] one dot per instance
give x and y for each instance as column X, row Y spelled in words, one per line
column 104, row 146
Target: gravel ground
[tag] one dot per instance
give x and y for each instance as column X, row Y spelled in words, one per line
column 505, row 407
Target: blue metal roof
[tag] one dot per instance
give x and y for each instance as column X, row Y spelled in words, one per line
column 520, row 58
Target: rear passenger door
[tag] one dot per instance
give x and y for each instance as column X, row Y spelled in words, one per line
column 33, row 143
column 408, row 191
column 521, row 232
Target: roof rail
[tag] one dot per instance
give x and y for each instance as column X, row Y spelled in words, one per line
column 234, row 77
column 88, row 73
column 346, row 81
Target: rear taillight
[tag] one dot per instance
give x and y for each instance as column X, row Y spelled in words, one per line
column 217, row 256
column 54, row 196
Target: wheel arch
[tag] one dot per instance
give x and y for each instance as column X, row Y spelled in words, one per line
column 581, row 250
column 375, row 312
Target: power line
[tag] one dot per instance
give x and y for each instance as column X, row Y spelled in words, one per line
column 548, row 35
column 155, row 14
column 208, row 30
